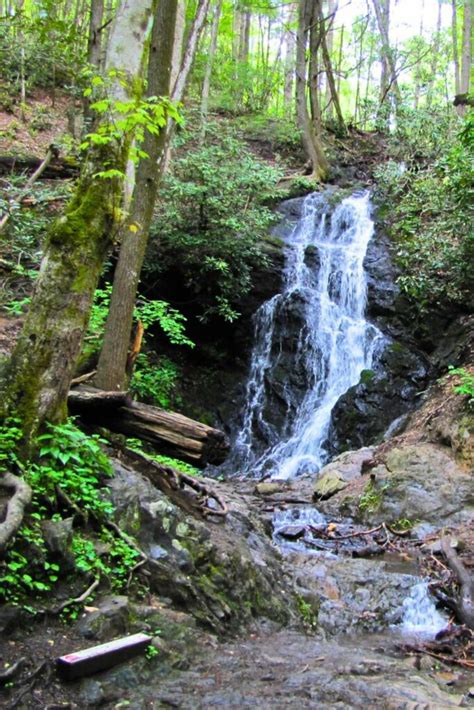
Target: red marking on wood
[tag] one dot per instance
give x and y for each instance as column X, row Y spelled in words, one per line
column 99, row 658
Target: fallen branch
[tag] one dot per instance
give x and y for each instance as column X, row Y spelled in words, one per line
column 52, row 153
column 76, row 600
column 172, row 483
column 83, row 378
column 34, row 679
column 465, row 603
column 15, row 508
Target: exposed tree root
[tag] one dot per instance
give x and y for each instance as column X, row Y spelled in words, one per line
column 15, row 508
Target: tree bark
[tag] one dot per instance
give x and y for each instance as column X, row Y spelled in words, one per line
column 331, row 9
column 290, row 45
column 434, row 59
column 466, row 57
column 329, row 70
column 111, row 369
column 454, row 34
column 35, row 382
column 311, row 141
column 207, row 75
column 388, row 82
column 94, row 45
column 170, row 433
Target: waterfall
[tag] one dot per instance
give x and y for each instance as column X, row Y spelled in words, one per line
column 325, row 284
column 420, row 616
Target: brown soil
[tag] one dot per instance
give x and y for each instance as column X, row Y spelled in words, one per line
column 18, row 137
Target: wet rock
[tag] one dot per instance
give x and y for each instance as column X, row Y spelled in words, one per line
column 421, row 482
column 10, row 617
column 111, row 619
column 384, row 393
column 425, row 483
column 353, row 594
column 268, row 488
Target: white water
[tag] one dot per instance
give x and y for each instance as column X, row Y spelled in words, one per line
column 335, row 345
column 420, row 616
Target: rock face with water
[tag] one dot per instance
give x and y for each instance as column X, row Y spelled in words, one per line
column 323, row 378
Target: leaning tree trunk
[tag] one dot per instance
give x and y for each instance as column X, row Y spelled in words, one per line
column 290, row 45
column 329, row 71
column 206, row 85
column 111, row 369
column 35, row 381
column 113, row 357
column 311, row 142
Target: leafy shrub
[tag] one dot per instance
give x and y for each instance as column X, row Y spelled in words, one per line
column 70, row 465
column 210, row 221
column 426, row 205
column 155, row 382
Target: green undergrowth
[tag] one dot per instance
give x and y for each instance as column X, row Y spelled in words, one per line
column 425, row 200
column 67, row 479
column 464, row 385
column 182, row 466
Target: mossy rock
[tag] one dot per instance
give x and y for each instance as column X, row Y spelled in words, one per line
column 330, row 483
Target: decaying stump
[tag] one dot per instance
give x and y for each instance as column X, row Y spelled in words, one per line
column 171, row 433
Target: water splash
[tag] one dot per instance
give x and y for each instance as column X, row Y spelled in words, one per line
column 420, row 616
column 334, row 345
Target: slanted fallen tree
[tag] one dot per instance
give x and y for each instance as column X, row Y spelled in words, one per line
column 170, row 433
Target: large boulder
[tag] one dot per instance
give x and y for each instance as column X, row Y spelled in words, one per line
column 225, row 574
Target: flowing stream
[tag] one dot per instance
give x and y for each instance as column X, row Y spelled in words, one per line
column 334, row 345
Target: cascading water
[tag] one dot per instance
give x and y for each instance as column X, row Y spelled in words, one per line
column 335, row 343
column 420, row 616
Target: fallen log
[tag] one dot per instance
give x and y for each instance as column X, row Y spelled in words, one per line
column 56, row 170
column 171, row 433
column 81, row 399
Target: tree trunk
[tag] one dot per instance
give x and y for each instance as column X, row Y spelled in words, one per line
column 332, row 9
column 329, row 71
column 313, row 71
column 111, row 369
column 290, row 45
column 207, row 76
column 418, row 67
column 35, row 381
column 454, row 30
column 388, row 82
column 466, row 57
column 170, row 433
column 434, row 58
column 311, row 141
column 94, row 46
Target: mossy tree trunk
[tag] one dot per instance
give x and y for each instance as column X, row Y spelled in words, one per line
column 35, row 382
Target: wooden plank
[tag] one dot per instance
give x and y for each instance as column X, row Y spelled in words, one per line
column 99, row 658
